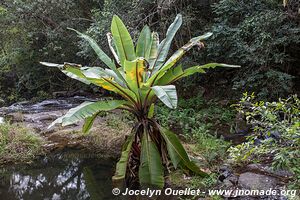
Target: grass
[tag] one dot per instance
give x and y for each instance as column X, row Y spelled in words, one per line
column 18, row 144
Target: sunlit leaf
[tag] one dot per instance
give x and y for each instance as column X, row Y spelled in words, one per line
column 122, row 40
column 167, row 94
column 87, row 109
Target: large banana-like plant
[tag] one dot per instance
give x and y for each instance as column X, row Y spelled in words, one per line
column 140, row 74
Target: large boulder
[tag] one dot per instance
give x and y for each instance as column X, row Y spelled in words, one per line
column 254, row 181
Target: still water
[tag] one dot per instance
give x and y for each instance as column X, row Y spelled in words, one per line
column 58, row 177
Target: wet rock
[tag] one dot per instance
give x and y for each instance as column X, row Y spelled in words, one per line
column 254, row 181
column 265, row 169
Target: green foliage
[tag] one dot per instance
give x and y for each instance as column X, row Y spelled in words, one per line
column 33, row 30
column 212, row 148
column 18, row 144
column 276, row 133
column 197, row 122
column 195, row 113
column 140, row 81
column 261, row 36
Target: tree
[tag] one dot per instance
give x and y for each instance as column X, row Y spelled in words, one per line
column 140, row 75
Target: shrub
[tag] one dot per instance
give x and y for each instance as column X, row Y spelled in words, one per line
column 276, row 133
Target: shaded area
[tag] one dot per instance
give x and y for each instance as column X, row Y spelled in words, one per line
column 61, row 176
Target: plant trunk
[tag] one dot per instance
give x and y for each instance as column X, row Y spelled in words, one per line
column 151, row 126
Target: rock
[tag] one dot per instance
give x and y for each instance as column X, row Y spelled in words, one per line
column 254, row 181
column 233, row 179
column 265, row 169
column 227, row 183
column 225, row 172
column 241, row 126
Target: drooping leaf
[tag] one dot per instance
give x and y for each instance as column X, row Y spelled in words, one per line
column 177, row 73
column 122, row 163
column 87, row 109
column 171, row 75
column 151, row 169
column 164, row 46
column 73, row 73
column 200, row 69
column 143, row 43
column 122, row 40
column 177, row 152
column 88, row 122
column 111, row 85
column 48, row 64
column 101, row 55
column 167, row 94
column 98, row 73
column 176, row 57
column 180, row 52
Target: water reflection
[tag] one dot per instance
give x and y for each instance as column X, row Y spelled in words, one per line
column 58, row 178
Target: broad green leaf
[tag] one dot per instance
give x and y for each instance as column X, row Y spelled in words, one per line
column 88, row 122
column 176, row 57
column 104, row 78
column 151, row 170
column 134, row 73
column 151, row 111
column 180, row 52
column 87, row 109
column 177, row 73
column 200, row 69
column 122, row 163
column 98, row 73
column 164, row 46
column 111, row 85
column 153, row 50
column 143, row 43
column 122, row 40
column 74, row 73
column 177, row 152
column 171, row 75
column 167, row 94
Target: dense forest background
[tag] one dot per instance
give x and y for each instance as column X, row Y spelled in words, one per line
column 263, row 36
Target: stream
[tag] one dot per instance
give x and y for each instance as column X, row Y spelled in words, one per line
column 58, row 177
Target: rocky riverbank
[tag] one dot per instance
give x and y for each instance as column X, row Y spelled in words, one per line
column 109, row 132
column 104, row 139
